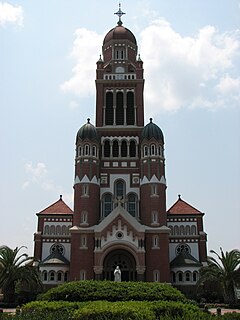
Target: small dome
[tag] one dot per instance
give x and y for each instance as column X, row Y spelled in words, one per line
column 119, row 33
column 151, row 130
column 87, row 131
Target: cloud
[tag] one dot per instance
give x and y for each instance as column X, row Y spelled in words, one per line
column 10, row 14
column 183, row 71
column 180, row 71
column 85, row 47
column 37, row 175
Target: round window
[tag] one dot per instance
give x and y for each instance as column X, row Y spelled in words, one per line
column 119, row 235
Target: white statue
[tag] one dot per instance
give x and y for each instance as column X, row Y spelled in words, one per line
column 117, row 274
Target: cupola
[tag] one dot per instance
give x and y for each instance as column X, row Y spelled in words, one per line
column 87, row 131
column 151, row 130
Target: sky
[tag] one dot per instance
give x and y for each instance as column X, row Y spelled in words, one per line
column 191, row 55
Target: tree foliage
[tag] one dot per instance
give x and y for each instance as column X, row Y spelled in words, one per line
column 225, row 270
column 16, row 269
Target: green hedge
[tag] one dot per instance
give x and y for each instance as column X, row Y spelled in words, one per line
column 104, row 310
column 113, row 291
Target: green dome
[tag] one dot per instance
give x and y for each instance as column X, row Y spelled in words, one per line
column 87, row 131
column 151, row 130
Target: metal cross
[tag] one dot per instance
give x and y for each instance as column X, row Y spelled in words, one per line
column 119, row 13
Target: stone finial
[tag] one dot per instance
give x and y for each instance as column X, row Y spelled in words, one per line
column 179, row 197
column 60, row 197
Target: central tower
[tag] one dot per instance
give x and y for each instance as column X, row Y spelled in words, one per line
column 119, row 200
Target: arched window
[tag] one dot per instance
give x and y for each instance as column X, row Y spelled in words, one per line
column 86, row 150
column 130, row 108
column 51, row 276
column 119, row 109
column 156, row 276
column 187, row 230
column 188, row 276
column 58, row 230
column 52, row 230
column 171, row 228
column 182, row 230
column 155, row 241
column 44, row 275
column 59, row 276
column 193, row 230
column 176, row 230
column 107, row 149
column 180, row 276
column 46, row 230
column 145, row 148
column 94, row 151
column 107, row 204
column 132, row 149
column 154, row 217
column 124, row 149
column 195, row 276
column 64, row 230
column 79, row 151
column 82, row 275
column 160, row 151
column 119, row 189
column 132, row 204
column 115, row 149
column 152, row 149
column 84, row 217
column 109, row 109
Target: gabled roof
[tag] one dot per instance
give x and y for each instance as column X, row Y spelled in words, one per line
column 55, row 258
column 58, row 207
column 182, row 207
column 121, row 212
column 185, row 259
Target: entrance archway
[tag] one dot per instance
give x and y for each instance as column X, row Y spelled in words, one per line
column 126, row 263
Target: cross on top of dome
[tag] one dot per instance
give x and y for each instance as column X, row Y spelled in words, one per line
column 119, row 13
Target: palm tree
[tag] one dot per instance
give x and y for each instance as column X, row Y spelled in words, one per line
column 226, row 272
column 16, row 268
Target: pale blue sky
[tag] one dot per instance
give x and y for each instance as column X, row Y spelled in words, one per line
column 190, row 50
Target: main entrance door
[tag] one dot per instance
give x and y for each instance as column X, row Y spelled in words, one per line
column 126, row 263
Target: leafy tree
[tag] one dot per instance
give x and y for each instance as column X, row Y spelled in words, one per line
column 224, row 270
column 16, row 269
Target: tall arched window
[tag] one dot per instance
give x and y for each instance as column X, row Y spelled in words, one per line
column 115, row 149
column 46, row 230
column 130, row 108
column 106, row 149
column 132, row 150
column 44, row 275
column 64, row 230
column 182, row 230
column 124, row 149
column 86, row 150
column 176, row 230
column 52, row 230
column 107, row 204
column 132, row 204
column 187, row 230
column 58, row 230
column 193, row 230
column 119, row 109
column 119, row 189
column 152, row 149
column 94, row 151
column 109, row 109
column 195, row 276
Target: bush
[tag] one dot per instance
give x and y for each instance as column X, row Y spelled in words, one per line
column 103, row 310
column 113, row 291
column 60, row 310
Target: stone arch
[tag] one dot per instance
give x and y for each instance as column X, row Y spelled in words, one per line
column 126, row 262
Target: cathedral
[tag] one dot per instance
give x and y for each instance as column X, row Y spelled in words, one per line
column 120, row 216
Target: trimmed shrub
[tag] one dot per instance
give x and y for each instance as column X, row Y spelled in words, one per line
column 104, row 310
column 60, row 310
column 113, row 291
